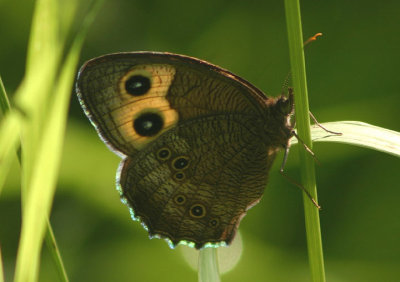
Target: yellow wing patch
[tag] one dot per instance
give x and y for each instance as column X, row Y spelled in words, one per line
column 132, row 107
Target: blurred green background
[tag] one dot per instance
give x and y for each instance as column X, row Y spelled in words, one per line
column 352, row 74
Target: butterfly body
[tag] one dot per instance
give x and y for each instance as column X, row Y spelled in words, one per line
column 197, row 141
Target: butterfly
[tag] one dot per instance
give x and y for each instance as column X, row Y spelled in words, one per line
column 196, row 141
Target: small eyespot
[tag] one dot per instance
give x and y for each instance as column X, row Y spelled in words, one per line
column 148, row 124
column 179, row 176
column 180, row 162
column 197, row 211
column 163, row 154
column 180, row 199
column 214, row 222
column 137, row 85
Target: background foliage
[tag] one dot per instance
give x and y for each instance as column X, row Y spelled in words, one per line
column 352, row 75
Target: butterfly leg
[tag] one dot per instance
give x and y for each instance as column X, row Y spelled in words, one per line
column 306, row 147
column 294, row 181
column 321, row 126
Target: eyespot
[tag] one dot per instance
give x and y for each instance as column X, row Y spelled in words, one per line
column 214, row 222
column 197, row 211
column 137, row 85
column 148, row 124
column 163, row 154
column 181, row 162
column 180, row 199
column 179, row 176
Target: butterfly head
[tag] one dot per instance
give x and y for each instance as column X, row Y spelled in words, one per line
column 279, row 126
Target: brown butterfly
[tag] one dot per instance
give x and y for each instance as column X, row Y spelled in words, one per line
column 197, row 141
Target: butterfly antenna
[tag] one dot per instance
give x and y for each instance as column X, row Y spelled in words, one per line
column 321, row 126
column 312, row 38
column 286, row 81
column 285, row 85
column 294, row 181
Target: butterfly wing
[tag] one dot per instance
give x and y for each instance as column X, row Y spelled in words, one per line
column 191, row 137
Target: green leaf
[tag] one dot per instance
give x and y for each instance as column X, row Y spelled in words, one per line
column 359, row 134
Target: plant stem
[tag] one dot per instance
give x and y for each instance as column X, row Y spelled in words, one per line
column 208, row 265
column 307, row 168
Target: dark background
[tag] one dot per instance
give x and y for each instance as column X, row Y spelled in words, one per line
column 352, row 74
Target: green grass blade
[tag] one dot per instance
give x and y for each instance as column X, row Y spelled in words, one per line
column 208, row 265
column 307, row 169
column 47, row 144
column 33, row 96
column 44, row 177
column 10, row 128
column 65, row 87
column 4, row 102
column 52, row 246
column 9, row 133
column 1, row 268
column 359, row 134
column 32, row 100
column 44, row 40
column 9, row 149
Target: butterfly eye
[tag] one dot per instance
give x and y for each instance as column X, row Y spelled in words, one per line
column 148, row 124
column 197, row 211
column 137, row 85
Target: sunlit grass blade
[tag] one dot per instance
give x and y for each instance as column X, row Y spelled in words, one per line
column 359, row 134
column 44, row 134
column 9, row 149
column 4, row 102
column 9, row 133
column 307, row 169
column 9, row 141
column 59, row 117
column 208, row 265
column 41, row 191
column 32, row 100
column 9, row 145
column 32, row 97
column 44, row 38
column 1, row 268
column 65, row 87
column 44, row 177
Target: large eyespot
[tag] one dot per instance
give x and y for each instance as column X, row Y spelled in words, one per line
column 197, row 211
column 163, row 154
column 181, row 162
column 214, row 222
column 137, row 85
column 148, row 124
column 179, row 176
column 180, row 199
